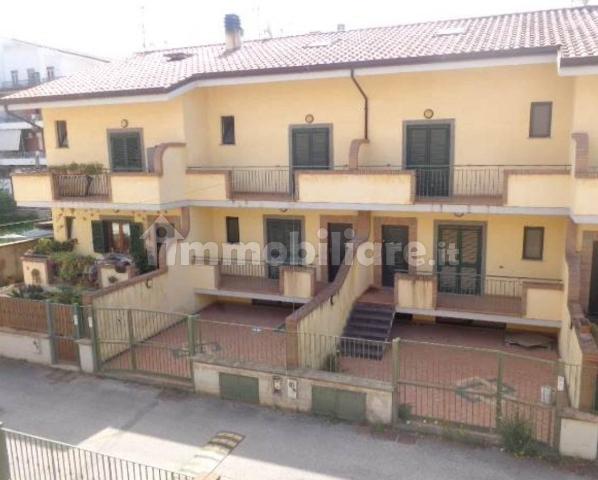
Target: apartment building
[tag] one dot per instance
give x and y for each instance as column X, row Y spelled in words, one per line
column 458, row 156
column 24, row 65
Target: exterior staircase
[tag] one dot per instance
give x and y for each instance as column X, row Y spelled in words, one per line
column 368, row 325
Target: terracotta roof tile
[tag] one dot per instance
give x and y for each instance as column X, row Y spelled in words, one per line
column 572, row 31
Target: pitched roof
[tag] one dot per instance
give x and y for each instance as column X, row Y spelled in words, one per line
column 572, row 32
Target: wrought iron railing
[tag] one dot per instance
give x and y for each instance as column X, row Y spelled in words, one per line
column 271, row 180
column 468, row 180
column 479, row 284
column 78, row 185
column 255, row 271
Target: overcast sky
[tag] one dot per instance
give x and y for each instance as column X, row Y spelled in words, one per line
column 114, row 28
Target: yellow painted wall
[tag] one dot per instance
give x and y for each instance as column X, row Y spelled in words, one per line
column 491, row 108
column 87, row 128
column 585, row 105
column 374, row 188
column 539, row 190
column 504, row 242
column 32, row 188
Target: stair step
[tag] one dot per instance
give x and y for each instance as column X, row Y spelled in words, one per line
column 373, row 308
column 372, row 316
column 369, row 326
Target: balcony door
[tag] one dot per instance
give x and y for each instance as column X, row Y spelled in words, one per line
column 310, row 150
column 428, row 152
column 283, row 243
column 459, row 259
column 394, row 240
column 339, row 236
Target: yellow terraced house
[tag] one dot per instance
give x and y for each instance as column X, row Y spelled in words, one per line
column 445, row 171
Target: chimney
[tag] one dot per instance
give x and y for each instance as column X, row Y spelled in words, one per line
column 232, row 32
column 340, row 27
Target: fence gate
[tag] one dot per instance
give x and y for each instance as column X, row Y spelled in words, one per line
column 142, row 342
column 63, row 325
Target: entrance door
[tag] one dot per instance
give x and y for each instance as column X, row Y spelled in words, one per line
column 593, row 303
column 428, row 152
column 339, row 235
column 394, row 239
column 459, row 259
column 283, row 238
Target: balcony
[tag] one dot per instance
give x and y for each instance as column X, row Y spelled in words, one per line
column 79, row 186
column 484, row 184
column 255, row 280
column 512, row 300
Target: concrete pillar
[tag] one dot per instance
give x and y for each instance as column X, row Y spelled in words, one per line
column 86, row 355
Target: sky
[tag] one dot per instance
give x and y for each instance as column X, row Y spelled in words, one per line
column 117, row 28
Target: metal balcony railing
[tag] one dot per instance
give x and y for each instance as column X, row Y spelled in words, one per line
column 477, row 284
column 77, row 185
column 468, row 180
column 270, row 180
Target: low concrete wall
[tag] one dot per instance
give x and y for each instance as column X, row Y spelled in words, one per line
column 298, row 282
column 379, row 398
column 415, row 291
column 32, row 347
column 11, row 270
column 579, row 434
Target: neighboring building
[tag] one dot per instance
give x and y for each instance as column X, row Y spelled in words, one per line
column 476, row 135
column 24, row 65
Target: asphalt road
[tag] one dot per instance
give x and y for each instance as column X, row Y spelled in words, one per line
column 170, row 429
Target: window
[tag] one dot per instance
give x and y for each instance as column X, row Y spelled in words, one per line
column 533, row 243
column 227, row 125
column 540, row 119
column 232, row 230
column 69, row 227
column 121, row 236
column 14, row 75
column 50, row 73
column 62, row 136
column 310, row 147
column 126, row 151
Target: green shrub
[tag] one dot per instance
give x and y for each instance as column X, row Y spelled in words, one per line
column 30, row 292
column 517, row 436
column 404, row 412
column 331, row 363
column 72, row 268
column 66, row 295
column 48, row 246
column 79, row 168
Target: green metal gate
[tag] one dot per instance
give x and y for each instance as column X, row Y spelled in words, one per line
column 142, row 342
column 336, row 403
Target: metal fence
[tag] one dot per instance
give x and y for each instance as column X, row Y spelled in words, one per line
column 34, row 458
column 60, row 322
column 477, row 388
column 75, row 185
column 476, row 284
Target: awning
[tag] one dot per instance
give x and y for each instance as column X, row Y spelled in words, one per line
column 10, row 140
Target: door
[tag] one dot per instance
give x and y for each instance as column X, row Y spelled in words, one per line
column 239, row 388
column 428, row 152
column 339, row 235
column 394, row 239
column 310, row 150
column 459, row 259
column 283, row 244
column 336, row 403
column 593, row 302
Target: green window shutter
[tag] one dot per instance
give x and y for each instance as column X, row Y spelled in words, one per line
column 320, row 143
column 137, row 243
column 125, row 151
column 98, row 235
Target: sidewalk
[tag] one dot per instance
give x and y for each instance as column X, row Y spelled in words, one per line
column 171, row 429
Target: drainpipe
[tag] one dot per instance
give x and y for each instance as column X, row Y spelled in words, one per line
column 365, row 105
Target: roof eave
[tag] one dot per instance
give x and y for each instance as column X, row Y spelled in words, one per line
column 486, row 55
